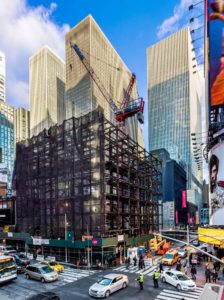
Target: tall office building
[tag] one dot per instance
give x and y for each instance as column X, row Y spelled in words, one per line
column 6, row 142
column 21, row 124
column 2, row 76
column 174, row 100
column 47, row 89
column 82, row 94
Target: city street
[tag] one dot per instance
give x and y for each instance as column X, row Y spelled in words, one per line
column 74, row 284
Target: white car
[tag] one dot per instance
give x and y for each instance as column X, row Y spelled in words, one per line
column 182, row 252
column 179, row 280
column 109, row 284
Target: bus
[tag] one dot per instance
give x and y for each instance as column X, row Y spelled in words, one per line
column 8, row 269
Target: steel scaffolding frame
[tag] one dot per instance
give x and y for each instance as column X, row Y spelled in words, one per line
column 92, row 174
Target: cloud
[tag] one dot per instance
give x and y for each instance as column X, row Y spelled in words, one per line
column 24, row 30
column 174, row 23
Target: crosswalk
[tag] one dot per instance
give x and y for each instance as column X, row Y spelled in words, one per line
column 147, row 271
column 182, row 295
column 70, row 275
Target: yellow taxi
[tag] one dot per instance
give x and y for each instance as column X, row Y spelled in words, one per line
column 54, row 265
column 170, row 258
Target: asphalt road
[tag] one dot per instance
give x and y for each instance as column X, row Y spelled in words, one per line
column 22, row 288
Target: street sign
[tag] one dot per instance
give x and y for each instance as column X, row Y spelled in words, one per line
column 86, row 237
column 120, row 238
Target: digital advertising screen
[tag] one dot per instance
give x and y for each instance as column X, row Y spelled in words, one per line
column 216, row 52
column 216, row 184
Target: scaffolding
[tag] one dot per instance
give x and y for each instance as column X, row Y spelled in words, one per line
column 86, row 175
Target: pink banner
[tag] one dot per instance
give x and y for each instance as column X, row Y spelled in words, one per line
column 176, row 214
column 184, row 199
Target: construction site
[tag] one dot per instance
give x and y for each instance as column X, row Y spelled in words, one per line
column 88, row 176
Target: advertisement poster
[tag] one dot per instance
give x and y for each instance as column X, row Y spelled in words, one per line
column 216, row 52
column 216, row 184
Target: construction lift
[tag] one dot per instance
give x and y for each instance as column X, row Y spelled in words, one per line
column 129, row 107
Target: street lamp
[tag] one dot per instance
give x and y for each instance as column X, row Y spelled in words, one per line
column 66, row 205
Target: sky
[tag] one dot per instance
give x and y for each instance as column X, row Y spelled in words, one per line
column 130, row 25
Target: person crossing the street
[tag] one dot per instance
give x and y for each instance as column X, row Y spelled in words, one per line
column 156, row 279
column 141, row 279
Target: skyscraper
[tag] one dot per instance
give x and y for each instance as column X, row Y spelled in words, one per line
column 174, row 100
column 2, row 76
column 21, row 124
column 82, row 94
column 7, row 141
column 47, row 87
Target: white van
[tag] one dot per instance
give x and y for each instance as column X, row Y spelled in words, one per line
column 212, row 291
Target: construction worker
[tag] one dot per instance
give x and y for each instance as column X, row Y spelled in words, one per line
column 156, row 278
column 141, row 279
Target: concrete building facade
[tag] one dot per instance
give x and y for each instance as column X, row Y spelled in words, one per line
column 47, row 90
column 82, row 94
column 21, row 124
column 2, row 76
column 174, row 100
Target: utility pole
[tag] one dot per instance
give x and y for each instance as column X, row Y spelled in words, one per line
column 88, row 259
column 188, row 242
column 66, row 254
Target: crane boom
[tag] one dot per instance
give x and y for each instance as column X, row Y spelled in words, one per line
column 127, row 95
column 128, row 107
column 95, row 78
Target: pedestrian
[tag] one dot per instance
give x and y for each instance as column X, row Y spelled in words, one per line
column 214, row 275
column 193, row 272
column 143, row 264
column 140, row 263
column 156, row 279
column 185, row 270
column 135, row 260
column 160, row 267
column 208, row 275
column 141, row 279
column 178, row 266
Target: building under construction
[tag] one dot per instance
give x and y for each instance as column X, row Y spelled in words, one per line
column 86, row 175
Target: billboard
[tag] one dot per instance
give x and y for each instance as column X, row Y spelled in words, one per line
column 216, row 52
column 216, row 184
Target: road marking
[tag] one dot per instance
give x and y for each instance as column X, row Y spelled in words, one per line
column 179, row 295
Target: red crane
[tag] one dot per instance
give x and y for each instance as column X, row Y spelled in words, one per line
column 129, row 107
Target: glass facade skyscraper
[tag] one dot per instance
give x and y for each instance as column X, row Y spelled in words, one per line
column 174, row 100
column 7, row 141
column 82, row 93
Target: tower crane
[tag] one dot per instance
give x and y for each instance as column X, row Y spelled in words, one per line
column 128, row 107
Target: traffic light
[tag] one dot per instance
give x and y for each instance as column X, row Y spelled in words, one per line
column 153, row 244
column 159, row 238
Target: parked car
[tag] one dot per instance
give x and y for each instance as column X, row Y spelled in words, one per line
column 24, row 258
column 179, row 280
column 21, row 266
column 41, row 272
column 196, row 243
column 54, row 265
column 108, row 285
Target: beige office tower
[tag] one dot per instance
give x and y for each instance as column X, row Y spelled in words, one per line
column 47, row 90
column 21, row 124
column 82, row 94
column 174, row 93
